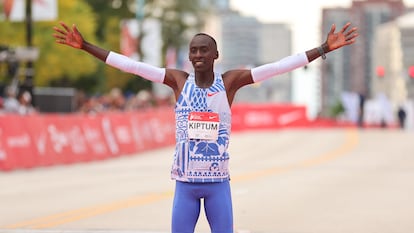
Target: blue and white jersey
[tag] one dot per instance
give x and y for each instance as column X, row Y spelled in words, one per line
column 201, row 160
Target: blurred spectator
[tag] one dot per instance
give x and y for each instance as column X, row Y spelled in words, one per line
column 401, row 116
column 142, row 100
column 1, row 104
column 116, row 100
column 25, row 104
column 80, row 99
column 11, row 104
column 91, row 105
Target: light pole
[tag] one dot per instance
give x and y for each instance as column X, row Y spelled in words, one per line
column 139, row 15
column 29, row 73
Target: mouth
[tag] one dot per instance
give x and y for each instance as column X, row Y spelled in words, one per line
column 198, row 63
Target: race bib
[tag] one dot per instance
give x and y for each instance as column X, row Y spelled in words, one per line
column 203, row 125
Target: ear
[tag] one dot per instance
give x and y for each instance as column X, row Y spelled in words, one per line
column 217, row 55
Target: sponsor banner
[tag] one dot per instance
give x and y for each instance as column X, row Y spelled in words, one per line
column 16, row 149
column 40, row 147
column 56, row 139
column 118, row 129
column 66, row 138
column 99, row 144
column 267, row 116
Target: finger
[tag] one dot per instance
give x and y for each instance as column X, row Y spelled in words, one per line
column 350, row 42
column 352, row 37
column 60, row 37
column 75, row 29
column 59, row 30
column 345, row 27
column 333, row 28
column 65, row 26
column 353, row 30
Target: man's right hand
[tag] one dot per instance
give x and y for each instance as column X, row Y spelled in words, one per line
column 68, row 36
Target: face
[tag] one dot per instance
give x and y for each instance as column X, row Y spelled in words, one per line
column 203, row 52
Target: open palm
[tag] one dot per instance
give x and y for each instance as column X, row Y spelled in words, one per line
column 341, row 38
column 68, row 36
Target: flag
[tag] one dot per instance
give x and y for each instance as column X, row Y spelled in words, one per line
column 171, row 58
column 42, row 10
column 129, row 41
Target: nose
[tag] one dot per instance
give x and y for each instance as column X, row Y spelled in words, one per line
column 198, row 53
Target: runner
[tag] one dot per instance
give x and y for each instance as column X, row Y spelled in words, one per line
column 203, row 117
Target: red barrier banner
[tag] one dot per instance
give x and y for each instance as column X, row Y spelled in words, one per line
column 56, row 139
column 41, row 149
column 16, row 146
column 117, row 127
column 95, row 138
column 267, row 116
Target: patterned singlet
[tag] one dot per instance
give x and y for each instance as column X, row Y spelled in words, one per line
column 202, row 160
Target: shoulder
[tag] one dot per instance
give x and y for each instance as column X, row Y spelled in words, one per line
column 237, row 78
column 175, row 78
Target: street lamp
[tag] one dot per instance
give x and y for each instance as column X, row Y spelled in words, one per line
column 28, row 82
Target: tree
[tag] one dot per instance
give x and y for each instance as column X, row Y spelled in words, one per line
column 55, row 61
column 180, row 20
column 99, row 22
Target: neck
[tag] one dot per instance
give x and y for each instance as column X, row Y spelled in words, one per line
column 204, row 79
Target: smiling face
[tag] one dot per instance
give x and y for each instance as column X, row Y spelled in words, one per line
column 203, row 52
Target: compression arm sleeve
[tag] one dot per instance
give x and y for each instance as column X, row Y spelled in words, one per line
column 287, row 64
column 129, row 65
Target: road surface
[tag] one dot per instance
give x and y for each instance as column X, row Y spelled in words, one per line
column 286, row 181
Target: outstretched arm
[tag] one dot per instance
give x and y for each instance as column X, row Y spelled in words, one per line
column 235, row 79
column 334, row 40
column 72, row 37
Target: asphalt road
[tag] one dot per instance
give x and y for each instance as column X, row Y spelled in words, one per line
column 287, row 181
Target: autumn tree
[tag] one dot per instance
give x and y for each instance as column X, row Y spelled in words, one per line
column 99, row 21
column 55, row 62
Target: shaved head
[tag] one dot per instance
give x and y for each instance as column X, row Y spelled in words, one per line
column 207, row 35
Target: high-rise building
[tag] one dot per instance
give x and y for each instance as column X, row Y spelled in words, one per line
column 244, row 42
column 350, row 69
column 336, row 69
column 393, row 58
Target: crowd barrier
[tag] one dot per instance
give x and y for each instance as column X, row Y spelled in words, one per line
column 56, row 139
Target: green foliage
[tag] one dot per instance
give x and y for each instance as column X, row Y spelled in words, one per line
column 337, row 109
column 55, row 61
column 98, row 21
column 180, row 20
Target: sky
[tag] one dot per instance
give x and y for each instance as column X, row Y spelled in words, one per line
column 303, row 16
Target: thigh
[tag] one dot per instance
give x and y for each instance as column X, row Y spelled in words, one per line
column 219, row 209
column 186, row 209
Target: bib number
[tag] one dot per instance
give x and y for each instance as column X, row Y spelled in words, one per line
column 203, row 125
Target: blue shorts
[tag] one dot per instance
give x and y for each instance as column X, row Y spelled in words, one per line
column 217, row 206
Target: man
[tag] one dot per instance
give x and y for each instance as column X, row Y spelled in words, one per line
column 203, row 117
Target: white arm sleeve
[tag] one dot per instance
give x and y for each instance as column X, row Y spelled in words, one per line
column 287, row 64
column 129, row 65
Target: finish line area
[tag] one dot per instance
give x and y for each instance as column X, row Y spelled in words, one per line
column 283, row 181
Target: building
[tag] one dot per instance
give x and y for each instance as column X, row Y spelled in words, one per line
column 393, row 57
column 336, row 70
column 244, row 42
column 352, row 70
